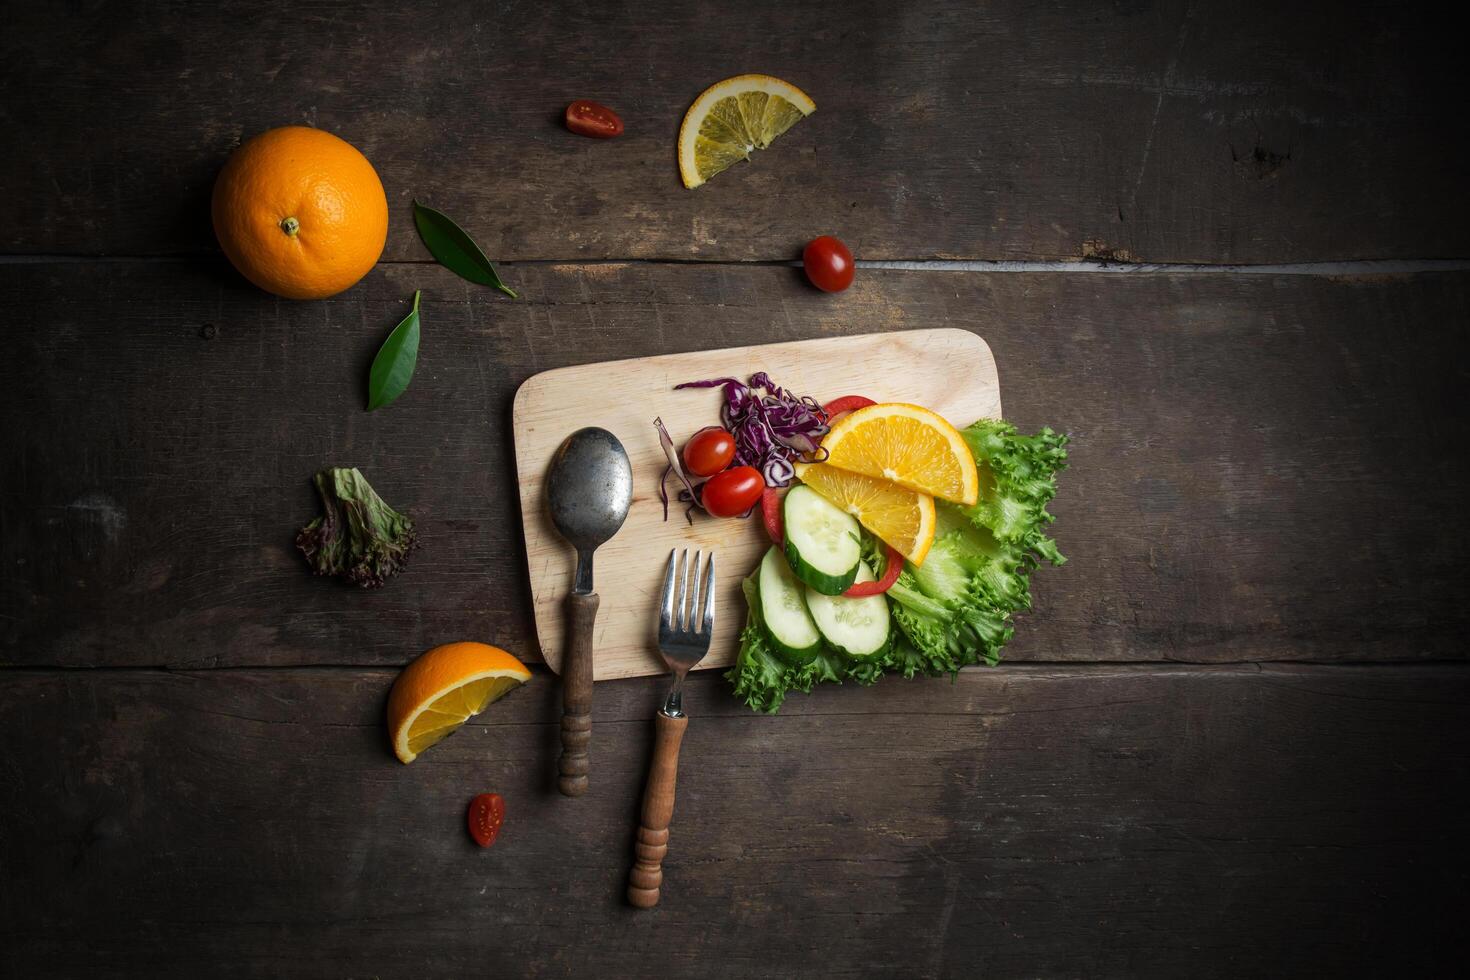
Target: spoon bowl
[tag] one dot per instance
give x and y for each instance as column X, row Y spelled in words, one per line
column 588, row 491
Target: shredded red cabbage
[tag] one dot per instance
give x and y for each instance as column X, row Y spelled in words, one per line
column 773, row 431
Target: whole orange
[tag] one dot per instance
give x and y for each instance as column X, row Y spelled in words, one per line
column 300, row 212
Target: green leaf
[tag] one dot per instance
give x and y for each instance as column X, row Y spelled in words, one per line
column 455, row 250
column 393, row 367
column 358, row 537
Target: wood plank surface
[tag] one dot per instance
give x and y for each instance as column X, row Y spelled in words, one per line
column 1025, row 821
column 1175, row 131
column 947, row 370
column 1262, row 467
column 1228, row 739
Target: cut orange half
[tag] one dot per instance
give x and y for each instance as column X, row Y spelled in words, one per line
column 443, row 689
column 732, row 118
column 909, row 445
column 899, row 516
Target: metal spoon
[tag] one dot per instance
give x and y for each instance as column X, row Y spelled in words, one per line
column 588, row 491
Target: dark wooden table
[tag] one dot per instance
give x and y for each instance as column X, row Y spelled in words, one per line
column 1229, row 739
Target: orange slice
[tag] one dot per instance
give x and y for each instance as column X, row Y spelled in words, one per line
column 733, row 118
column 443, row 689
column 908, row 445
column 899, row 516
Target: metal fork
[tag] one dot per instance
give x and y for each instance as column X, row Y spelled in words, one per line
column 686, row 622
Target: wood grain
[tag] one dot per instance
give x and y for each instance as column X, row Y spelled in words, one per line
column 950, row 371
column 651, row 842
column 1262, row 467
column 576, row 692
column 1041, row 822
column 1172, row 131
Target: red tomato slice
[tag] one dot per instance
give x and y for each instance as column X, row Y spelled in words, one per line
column 771, row 512
column 587, row 118
column 892, row 568
column 487, row 813
column 847, row 403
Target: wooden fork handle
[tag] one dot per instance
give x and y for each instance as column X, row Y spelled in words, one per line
column 658, row 809
column 576, row 694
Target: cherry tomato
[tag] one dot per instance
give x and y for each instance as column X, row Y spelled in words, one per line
column 733, row 492
column 708, row 451
column 487, row 813
column 590, row 119
column 828, row 264
column 771, row 513
column 847, row 403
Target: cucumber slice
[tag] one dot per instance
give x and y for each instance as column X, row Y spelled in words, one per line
column 822, row 541
column 857, row 627
column 784, row 611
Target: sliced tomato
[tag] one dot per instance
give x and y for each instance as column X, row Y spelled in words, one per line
column 487, row 813
column 892, row 568
column 847, row 403
column 587, row 118
column 771, row 512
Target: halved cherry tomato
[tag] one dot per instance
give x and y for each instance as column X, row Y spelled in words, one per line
column 847, row 403
column 708, row 451
column 892, row 568
column 828, row 264
column 587, row 118
column 487, row 813
column 733, row 492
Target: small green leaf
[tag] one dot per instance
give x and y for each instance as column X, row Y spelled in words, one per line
column 393, row 367
column 455, row 250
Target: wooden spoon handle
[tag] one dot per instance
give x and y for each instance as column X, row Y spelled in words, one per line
column 658, row 809
column 576, row 694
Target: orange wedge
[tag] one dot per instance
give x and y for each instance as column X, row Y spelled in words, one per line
column 443, row 689
column 899, row 516
column 732, row 119
column 908, row 445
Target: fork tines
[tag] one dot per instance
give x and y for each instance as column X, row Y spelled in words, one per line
column 688, row 612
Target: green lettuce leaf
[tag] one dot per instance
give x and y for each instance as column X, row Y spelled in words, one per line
column 759, row 676
column 1017, row 481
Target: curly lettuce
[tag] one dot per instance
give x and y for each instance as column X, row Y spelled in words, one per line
column 358, row 538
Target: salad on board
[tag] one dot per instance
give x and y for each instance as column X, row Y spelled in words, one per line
column 899, row 544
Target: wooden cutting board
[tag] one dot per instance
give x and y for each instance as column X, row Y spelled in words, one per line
column 950, row 371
